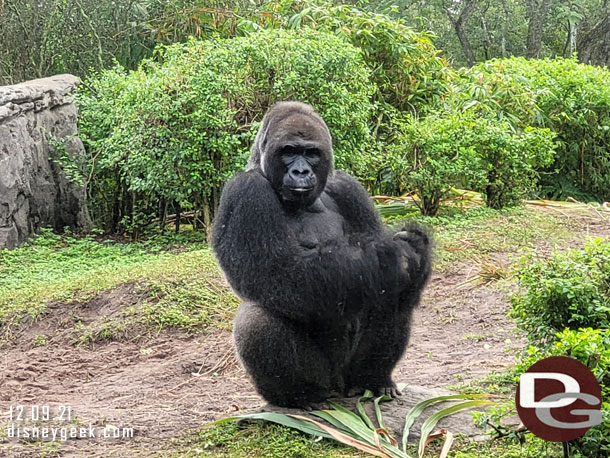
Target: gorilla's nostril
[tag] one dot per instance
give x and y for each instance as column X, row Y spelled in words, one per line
column 300, row 172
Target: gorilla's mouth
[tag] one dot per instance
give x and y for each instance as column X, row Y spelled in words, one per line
column 301, row 190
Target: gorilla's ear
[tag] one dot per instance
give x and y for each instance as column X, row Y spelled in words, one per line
column 258, row 147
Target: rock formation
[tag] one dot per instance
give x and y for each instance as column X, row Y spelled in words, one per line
column 34, row 191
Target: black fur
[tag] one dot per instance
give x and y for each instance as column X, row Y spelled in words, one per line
column 327, row 291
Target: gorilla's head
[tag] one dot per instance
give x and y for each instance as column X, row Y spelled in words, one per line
column 293, row 149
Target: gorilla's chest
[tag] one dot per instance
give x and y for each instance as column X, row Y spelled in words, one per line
column 317, row 226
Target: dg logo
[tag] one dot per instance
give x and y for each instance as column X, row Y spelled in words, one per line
column 559, row 399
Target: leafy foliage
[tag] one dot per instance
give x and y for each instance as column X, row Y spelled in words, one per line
column 512, row 160
column 592, row 348
column 573, row 100
column 359, row 431
column 45, row 38
column 171, row 133
column 570, row 290
column 430, row 156
column 464, row 150
column 406, row 67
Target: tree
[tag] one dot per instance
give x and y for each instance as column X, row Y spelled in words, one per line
column 459, row 18
column 594, row 45
column 537, row 11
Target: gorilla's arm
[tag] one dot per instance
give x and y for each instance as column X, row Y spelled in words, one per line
column 405, row 256
column 355, row 205
column 265, row 264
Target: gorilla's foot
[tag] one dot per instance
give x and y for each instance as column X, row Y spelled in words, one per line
column 387, row 389
column 304, row 405
column 391, row 390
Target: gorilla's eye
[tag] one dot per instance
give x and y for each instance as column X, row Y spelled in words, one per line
column 288, row 154
column 311, row 153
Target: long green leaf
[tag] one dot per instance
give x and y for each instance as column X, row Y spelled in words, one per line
column 346, row 439
column 431, row 422
column 327, row 417
column 368, row 394
column 280, row 419
column 347, row 412
column 357, row 429
column 384, row 398
column 418, row 408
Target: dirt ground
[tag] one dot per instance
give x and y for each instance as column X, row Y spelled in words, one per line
column 169, row 385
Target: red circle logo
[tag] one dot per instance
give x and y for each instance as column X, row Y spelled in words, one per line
column 559, row 399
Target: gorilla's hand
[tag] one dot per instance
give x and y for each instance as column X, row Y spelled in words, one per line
column 416, row 237
column 415, row 257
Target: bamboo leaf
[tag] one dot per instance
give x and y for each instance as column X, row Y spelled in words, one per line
column 384, row 398
column 354, row 424
column 280, row 419
column 346, row 439
column 431, row 422
column 368, row 394
column 418, row 408
column 324, row 415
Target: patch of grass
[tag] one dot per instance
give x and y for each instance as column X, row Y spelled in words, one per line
column 471, row 235
column 189, row 304
column 40, row 341
column 265, row 440
column 178, row 277
column 106, row 329
column 494, row 383
column 268, row 441
column 532, row 447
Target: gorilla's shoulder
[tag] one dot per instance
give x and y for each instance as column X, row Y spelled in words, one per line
column 248, row 181
column 247, row 186
column 354, row 202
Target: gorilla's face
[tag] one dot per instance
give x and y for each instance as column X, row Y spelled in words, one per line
column 295, row 152
column 300, row 172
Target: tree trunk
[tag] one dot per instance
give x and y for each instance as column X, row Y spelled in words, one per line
column 163, row 219
column 486, row 39
column 459, row 25
column 594, row 41
column 537, row 11
column 572, row 37
column 505, row 28
column 207, row 219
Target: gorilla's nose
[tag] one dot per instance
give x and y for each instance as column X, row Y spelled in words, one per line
column 300, row 172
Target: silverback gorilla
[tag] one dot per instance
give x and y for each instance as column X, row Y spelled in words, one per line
column 327, row 291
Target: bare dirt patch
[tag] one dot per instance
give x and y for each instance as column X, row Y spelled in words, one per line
column 167, row 385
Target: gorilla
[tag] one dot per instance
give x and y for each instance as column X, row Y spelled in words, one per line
column 327, row 291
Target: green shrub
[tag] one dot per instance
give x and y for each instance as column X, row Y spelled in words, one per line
column 573, row 100
column 493, row 93
column 408, row 70
column 167, row 137
column 569, row 290
column 433, row 154
column 511, row 160
column 592, row 348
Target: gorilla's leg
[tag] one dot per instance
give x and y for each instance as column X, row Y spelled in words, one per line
column 381, row 345
column 286, row 366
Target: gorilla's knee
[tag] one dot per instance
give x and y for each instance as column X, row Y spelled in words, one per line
column 294, row 372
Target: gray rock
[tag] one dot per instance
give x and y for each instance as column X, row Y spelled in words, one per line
column 34, row 191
